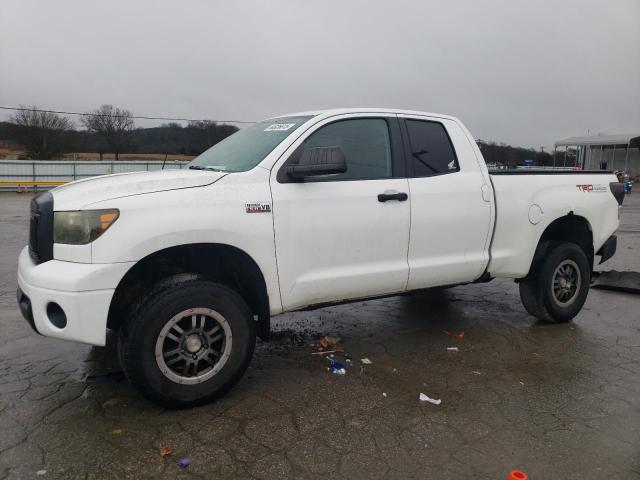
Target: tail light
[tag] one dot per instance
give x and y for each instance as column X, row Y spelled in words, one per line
column 617, row 189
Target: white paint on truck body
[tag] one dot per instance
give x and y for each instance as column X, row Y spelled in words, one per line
column 314, row 242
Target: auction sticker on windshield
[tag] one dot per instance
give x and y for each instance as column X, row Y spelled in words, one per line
column 279, row 127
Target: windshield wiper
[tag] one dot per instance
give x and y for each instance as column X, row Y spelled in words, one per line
column 200, row 167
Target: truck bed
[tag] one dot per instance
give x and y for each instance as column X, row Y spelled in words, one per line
column 526, row 206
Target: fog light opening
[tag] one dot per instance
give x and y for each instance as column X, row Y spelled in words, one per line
column 56, row 315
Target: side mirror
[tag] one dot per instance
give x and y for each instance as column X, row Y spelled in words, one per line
column 317, row 161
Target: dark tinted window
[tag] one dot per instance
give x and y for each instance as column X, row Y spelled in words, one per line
column 431, row 150
column 365, row 143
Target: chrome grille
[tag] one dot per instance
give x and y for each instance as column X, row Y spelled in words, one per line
column 41, row 228
column 33, row 231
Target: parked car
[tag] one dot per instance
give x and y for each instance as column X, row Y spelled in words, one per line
column 293, row 213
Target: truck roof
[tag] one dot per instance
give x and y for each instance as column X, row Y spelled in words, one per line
column 339, row 111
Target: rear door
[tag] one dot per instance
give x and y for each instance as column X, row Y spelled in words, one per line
column 450, row 217
column 344, row 236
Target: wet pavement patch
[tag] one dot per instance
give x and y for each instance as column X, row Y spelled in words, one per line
column 628, row 282
column 105, row 377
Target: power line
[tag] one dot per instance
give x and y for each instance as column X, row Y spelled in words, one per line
column 23, row 109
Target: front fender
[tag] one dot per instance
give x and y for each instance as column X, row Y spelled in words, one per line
column 212, row 214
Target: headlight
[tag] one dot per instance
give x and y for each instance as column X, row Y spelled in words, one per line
column 82, row 226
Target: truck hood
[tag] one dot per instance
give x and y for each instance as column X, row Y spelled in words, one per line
column 78, row 194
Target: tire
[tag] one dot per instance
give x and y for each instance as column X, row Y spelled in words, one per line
column 560, row 261
column 218, row 337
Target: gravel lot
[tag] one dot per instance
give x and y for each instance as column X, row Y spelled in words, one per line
column 556, row 401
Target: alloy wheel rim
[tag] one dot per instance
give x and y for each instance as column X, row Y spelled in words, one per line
column 193, row 346
column 566, row 283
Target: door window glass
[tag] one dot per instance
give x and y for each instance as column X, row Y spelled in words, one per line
column 431, row 149
column 365, row 144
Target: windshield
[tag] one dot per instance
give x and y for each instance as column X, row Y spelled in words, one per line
column 247, row 147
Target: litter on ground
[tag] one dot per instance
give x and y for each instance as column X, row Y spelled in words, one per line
column 116, row 431
column 166, row 451
column 452, row 349
column 425, row 398
column 41, row 472
column 337, row 368
column 184, row 463
column 454, row 334
column 326, row 352
column 366, row 361
column 110, row 403
column 328, row 344
column 517, row 475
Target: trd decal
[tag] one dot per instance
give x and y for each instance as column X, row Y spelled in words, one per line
column 257, row 207
column 589, row 187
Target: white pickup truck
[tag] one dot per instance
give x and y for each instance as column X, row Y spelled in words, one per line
column 293, row 213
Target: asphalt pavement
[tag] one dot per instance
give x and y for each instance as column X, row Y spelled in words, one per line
column 556, row 401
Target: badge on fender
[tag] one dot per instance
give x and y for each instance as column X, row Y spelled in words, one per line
column 257, row 207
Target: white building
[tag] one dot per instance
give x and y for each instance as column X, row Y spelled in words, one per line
column 601, row 152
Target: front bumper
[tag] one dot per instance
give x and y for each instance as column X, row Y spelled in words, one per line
column 24, row 304
column 82, row 291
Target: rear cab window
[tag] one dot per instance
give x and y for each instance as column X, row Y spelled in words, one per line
column 430, row 149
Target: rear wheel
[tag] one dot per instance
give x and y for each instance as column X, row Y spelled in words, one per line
column 187, row 342
column 557, row 286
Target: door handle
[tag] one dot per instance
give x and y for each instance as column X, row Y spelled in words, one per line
column 399, row 196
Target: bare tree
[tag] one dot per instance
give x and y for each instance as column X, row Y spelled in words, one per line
column 205, row 133
column 42, row 134
column 113, row 124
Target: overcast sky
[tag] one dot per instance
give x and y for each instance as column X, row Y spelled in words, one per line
column 520, row 72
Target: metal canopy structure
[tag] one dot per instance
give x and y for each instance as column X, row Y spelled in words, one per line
column 633, row 140
column 591, row 152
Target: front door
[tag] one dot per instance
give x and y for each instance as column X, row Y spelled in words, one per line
column 344, row 236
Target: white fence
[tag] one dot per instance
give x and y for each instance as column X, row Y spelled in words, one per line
column 13, row 172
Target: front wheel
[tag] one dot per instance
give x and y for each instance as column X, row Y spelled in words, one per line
column 557, row 286
column 187, row 342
